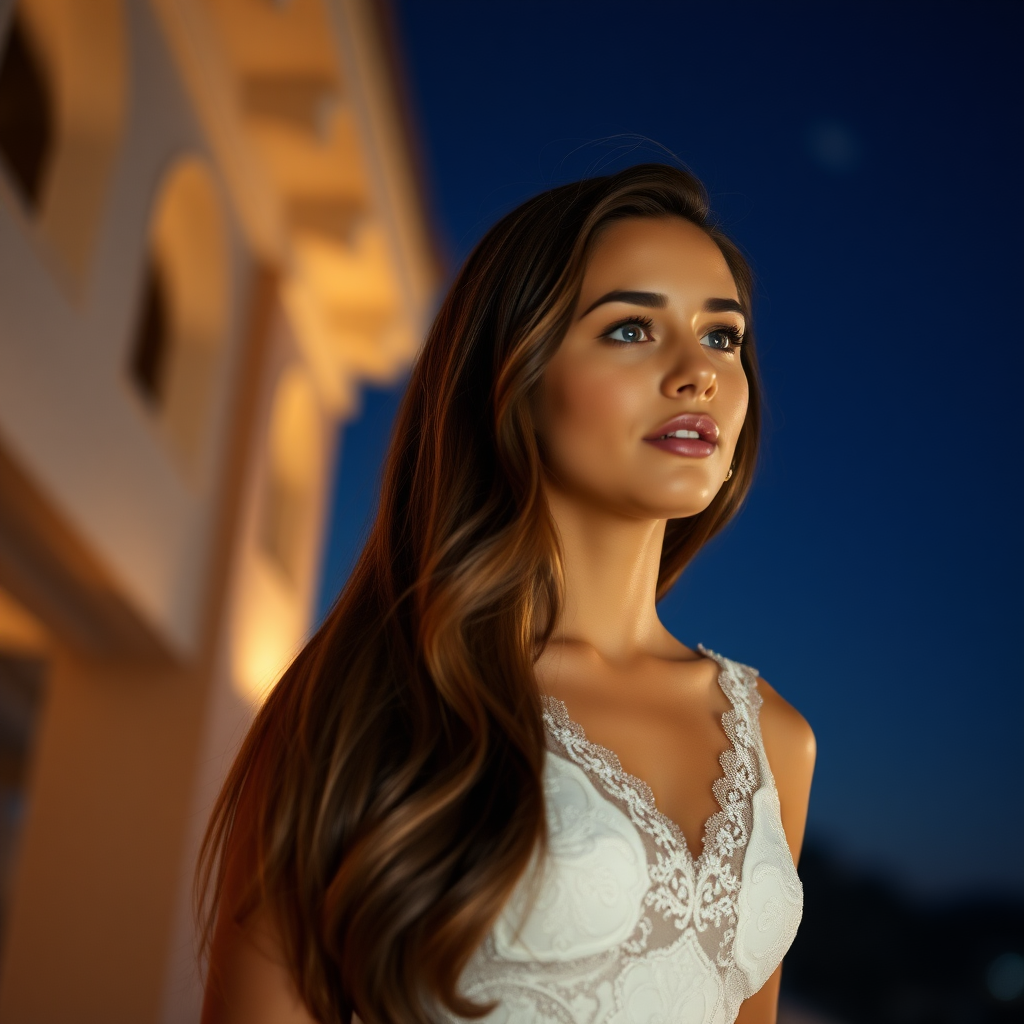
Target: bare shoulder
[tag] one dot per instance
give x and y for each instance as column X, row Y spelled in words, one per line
column 791, row 749
column 784, row 728
column 248, row 980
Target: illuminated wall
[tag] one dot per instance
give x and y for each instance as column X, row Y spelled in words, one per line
column 210, row 235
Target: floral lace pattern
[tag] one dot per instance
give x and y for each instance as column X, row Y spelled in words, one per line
column 622, row 925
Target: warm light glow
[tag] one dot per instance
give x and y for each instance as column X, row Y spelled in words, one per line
column 83, row 45
column 269, row 632
column 20, row 632
column 295, row 445
column 187, row 238
column 273, row 602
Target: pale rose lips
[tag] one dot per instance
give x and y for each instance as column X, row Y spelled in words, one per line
column 699, row 435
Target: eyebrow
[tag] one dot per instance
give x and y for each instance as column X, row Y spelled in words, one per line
column 656, row 300
column 725, row 306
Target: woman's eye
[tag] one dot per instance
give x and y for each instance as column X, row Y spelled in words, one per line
column 627, row 334
column 723, row 340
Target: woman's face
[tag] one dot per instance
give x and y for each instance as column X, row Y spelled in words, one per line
column 652, row 350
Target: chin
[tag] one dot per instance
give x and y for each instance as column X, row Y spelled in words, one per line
column 687, row 514
column 690, row 503
column 673, row 509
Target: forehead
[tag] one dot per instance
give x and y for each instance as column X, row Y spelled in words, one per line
column 662, row 254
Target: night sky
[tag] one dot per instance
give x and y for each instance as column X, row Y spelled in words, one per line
column 868, row 158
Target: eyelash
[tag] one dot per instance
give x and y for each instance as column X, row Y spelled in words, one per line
column 644, row 322
column 734, row 334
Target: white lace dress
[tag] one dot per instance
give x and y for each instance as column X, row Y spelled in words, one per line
column 621, row 925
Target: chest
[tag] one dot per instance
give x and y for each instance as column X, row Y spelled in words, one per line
column 666, row 730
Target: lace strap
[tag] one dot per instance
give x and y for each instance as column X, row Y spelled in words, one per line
column 746, row 690
column 739, row 680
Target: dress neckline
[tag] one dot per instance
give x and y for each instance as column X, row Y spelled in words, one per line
column 558, row 714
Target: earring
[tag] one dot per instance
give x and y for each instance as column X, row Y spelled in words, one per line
column 729, row 474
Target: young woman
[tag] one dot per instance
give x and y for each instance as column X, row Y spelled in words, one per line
column 493, row 784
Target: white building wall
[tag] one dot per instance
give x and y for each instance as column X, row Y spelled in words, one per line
column 68, row 411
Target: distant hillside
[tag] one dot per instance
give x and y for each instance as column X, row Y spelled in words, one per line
column 867, row 954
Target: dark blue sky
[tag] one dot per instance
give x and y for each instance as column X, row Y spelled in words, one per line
column 868, row 157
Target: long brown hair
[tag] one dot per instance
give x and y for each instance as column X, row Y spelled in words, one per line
column 388, row 796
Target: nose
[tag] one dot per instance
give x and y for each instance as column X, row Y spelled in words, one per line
column 690, row 372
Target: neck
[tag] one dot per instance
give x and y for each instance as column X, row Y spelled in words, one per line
column 611, row 578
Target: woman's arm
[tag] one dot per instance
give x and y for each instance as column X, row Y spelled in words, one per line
column 248, row 982
column 790, row 747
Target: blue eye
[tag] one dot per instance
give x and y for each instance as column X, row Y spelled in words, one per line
column 629, row 333
column 725, row 339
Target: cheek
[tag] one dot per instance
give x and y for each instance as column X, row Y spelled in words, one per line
column 739, row 394
column 586, row 410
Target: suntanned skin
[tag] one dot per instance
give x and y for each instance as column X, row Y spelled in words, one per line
column 247, row 981
column 624, row 678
